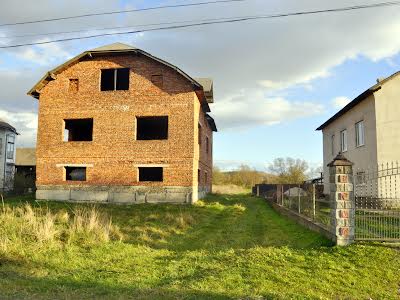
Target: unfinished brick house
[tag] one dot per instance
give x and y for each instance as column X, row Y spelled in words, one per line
column 117, row 124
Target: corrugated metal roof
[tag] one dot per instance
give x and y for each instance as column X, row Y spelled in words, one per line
column 364, row 95
column 25, row 157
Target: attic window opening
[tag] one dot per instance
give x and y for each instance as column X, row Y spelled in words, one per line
column 78, row 130
column 73, row 85
column 152, row 128
column 151, row 174
column 157, row 80
column 114, row 79
column 75, row 173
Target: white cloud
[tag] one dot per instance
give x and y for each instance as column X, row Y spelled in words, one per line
column 303, row 82
column 43, row 54
column 248, row 61
column 340, row 102
column 26, row 125
column 253, row 107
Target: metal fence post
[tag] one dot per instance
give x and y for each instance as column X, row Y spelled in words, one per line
column 313, row 200
column 298, row 192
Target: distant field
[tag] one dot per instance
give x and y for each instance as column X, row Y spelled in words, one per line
column 225, row 247
column 230, row 189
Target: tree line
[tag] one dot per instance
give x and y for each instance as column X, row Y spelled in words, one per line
column 280, row 171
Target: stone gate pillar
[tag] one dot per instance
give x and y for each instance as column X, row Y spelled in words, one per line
column 342, row 199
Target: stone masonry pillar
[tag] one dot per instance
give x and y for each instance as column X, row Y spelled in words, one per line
column 342, row 199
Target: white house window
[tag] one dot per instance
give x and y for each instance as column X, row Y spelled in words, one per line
column 343, row 140
column 360, row 177
column 10, row 147
column 360, row 134
column 333, row 144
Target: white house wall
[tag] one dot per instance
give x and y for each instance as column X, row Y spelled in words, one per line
column 363, row 157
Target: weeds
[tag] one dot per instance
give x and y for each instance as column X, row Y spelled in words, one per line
column 26, row 227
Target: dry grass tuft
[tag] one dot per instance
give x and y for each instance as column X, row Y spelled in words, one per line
column 230, row 189
column 28, row 226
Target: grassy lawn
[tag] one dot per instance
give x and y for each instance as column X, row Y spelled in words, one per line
column 223, row 247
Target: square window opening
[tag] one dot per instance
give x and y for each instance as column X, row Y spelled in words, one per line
column 75, row 173
column 151, row 174
column 114, row 79
column 152, row 128
column 78, row 130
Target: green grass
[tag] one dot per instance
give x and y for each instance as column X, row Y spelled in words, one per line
column 225, row 247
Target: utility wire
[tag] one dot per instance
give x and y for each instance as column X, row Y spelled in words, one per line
column 164, row 23
column 233, row 20
column 121, row 12
column 119, row 27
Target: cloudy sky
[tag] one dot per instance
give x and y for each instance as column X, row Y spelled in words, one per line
column 275, row 80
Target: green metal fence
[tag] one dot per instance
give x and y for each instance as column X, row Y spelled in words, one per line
column 307, row 200
column 377, row 203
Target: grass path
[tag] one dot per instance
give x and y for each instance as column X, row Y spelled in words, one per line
column 225, row 247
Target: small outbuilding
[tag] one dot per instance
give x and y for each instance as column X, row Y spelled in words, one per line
column 7, row 155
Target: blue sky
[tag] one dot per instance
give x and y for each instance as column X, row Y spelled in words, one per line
column 275, row 81
column 298, row 138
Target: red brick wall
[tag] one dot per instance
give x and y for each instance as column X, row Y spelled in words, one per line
column 114, row 152
column 205, row 161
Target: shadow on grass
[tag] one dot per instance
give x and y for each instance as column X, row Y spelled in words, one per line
column 31, row 287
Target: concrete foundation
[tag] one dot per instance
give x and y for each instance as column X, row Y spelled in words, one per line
column 117, row 194
column 202, row 192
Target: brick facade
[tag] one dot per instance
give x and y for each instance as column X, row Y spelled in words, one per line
column 113, row 156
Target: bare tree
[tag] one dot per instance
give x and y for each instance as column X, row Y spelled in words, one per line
column 289, row 170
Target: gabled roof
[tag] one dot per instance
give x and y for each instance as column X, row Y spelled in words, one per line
column 116, row 48
column 364, row 95
column 5, row 125
column 25, row 157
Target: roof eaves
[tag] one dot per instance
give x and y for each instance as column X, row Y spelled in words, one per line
column 358, row 99
column 349, row 106
column 51, row 75
column 211, row 122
